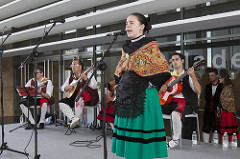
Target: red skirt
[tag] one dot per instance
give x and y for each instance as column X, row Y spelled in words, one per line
column 228, row 124
column 109, row 113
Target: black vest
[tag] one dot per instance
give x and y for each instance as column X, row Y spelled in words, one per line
column 216, row 98
column 190, row 96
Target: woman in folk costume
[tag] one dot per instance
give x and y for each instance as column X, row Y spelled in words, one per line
column 138, row 128
column 228, row 121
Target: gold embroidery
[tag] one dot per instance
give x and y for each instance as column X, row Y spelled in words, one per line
column 146, row 61
column 227, row 99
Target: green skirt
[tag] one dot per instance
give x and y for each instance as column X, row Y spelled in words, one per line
column 142, row 137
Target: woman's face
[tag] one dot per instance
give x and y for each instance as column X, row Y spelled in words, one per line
column 133, row 27
column 221, row 80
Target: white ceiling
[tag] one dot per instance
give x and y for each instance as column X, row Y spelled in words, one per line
column 102, row 17
column 58, row 8
column 186, row 25
column 208, row 22
column 20, row 6
column 3, row 2
column 47, row 12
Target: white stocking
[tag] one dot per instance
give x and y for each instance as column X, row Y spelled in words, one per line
column 25, row 112
column 177, row 125
column 112, row 125
column 79, row 106
column 43, row 113
column 66, row 110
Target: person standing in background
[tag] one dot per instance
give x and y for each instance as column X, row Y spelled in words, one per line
column 227, row 107
column 212, row 95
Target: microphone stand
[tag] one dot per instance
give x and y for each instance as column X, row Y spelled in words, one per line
column 34, row 54
column 102, row 67
column 4, row 144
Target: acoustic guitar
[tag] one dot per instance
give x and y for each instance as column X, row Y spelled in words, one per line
column 110, row 94
column 175, row 86
column 74, row 83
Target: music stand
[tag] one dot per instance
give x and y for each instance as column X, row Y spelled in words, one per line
column 25, row 92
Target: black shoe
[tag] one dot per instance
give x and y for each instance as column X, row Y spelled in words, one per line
column 29, row 126
column 41, row 126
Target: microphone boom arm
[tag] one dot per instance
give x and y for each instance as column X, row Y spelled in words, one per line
column 34, row 51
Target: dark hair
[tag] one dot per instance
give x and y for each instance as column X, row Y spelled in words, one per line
column 224, row 74
column 40, row 68
column 143, row 20
column 213, row 70
column 182, row 57
column 79, row 61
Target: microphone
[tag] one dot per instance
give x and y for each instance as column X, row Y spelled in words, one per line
column 57, row 21
column 121, row 32
column 11, row 29
column 14, row 29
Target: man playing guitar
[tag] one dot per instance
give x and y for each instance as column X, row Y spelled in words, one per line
column 186, row 99
column 72, row 86
column 45, row 92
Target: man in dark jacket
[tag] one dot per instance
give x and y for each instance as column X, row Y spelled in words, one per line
column 212, row 94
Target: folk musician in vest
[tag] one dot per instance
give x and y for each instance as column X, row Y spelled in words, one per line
column 44, row 98
column 72, row 87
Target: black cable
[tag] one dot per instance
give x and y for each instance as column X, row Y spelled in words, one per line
column 88, row 143
column 104, row 44
column 25, row 149
column 44, row 31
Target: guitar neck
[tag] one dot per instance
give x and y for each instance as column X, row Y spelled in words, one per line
column 81, row 91
column 86, row 71
column 171, row 84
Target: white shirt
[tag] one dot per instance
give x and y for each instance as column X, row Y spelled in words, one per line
column 214, row 88
column 49, row 89
column 93, row 83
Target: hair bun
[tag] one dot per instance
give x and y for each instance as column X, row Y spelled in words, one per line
column 75, row 58
column 148, row 26
column 148, row 19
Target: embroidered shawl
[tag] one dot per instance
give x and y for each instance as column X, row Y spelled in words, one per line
column 145, row 61
column 227, row 99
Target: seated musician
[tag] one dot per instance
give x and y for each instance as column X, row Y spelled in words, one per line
column 45, row 92
column 79, row 78
column 109, row 100
column 184, row 101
